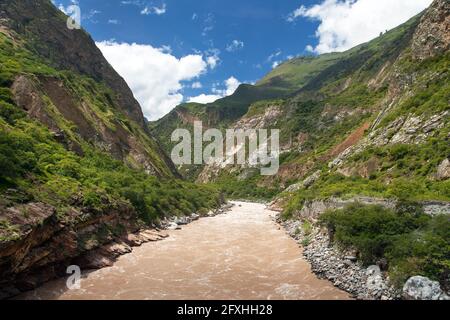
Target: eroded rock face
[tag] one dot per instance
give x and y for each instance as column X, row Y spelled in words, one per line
column 432, row 37
column 403, row 130
column 38, row 243
column 262, row 121
column 443, row 171
column 422, row 288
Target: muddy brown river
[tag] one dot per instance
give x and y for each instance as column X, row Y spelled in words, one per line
column 240, row 255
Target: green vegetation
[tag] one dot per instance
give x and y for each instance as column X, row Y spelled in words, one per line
column 35, row 164
column 36, row 167
column 412, row 242
column 248, row 188
column 295, row 73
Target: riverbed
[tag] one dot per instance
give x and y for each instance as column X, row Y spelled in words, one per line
column 243, row 254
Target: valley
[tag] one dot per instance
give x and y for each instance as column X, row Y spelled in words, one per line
column 358, row 207
column 241, row 255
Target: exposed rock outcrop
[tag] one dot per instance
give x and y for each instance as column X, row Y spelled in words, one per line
column 443, row 171
column 422, row 288
column 432, row 37
column 313, row 209
column 339, row 267
column 37, row 241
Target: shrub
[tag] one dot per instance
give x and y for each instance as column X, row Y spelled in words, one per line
column 413, row 243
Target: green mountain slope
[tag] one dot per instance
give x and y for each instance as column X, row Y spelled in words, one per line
column 334, row 112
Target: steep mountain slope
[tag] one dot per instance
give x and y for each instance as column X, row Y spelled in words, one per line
column 78, row 166
column 42, row 58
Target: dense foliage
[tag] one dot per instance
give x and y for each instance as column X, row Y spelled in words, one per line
column 412, row 242
column 35, row 164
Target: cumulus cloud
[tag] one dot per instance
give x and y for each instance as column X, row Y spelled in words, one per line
column 212, row 61
column 235, row 45
column 230, row 86
column 154, row 75
column 212, row 57
column 347, row 23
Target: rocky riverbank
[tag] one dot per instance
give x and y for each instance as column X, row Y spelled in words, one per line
column 47, row 246
column 341, row 268
column 345, row 272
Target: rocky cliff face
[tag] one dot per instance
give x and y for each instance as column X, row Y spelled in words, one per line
column 432, row 37
column 44, row 245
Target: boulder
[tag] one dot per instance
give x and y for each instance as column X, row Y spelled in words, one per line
column 422, row 288
column 195, row 217
column 443, row 171
column 173, row 226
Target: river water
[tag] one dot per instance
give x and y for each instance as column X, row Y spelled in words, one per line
column 240, row 255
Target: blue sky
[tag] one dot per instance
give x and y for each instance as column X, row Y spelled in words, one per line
column 200, row 50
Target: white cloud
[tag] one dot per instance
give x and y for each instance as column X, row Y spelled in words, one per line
column 147, row 10
column 64, row 9
column 212, row 57
column 204, row 98
column 276, row 64
column 113, row 21
column 154, row 75
column 347, row 23
column 212, row 61
column 231, row 84
column 235, row 45
column 274, row 55
column 196, row 85
column 309, row 48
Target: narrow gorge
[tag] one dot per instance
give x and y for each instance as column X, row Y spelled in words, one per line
column 359, row 208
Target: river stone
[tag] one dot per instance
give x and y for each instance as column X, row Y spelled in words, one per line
column 375, row 284
column 422, row 288
column 172, row 226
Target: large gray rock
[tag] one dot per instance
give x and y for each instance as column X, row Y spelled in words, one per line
column 443, row 171
column 422, row 288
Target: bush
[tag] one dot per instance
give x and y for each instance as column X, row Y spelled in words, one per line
column 10, row 113
column 413, row 243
